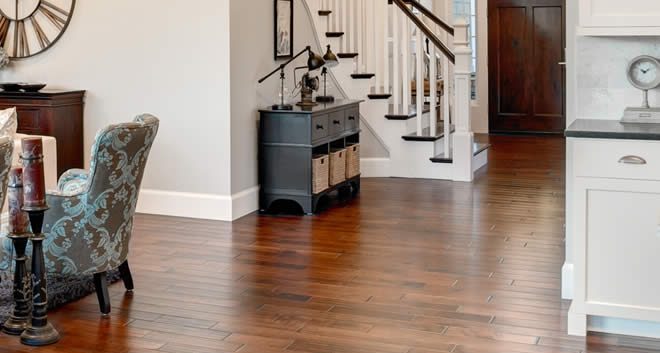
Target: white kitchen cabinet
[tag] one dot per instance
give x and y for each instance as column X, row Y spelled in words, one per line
column 616, row 231
column 619, row 18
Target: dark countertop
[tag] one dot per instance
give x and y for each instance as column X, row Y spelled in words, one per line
column 612, row 129
column 43, row 93
column 317, row 108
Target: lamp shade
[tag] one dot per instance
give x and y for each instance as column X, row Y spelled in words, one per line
column 330, row 58
column 315, row 61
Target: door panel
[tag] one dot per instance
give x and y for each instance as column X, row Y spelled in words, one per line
column 527, row 84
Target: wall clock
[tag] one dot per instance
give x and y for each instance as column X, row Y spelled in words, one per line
column 643, row 73
column 30, row 27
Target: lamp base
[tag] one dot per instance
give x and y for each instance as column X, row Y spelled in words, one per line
column 325, row 99
column 282, row 107
column 306, row 104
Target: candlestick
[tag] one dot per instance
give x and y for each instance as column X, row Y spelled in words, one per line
column 18, row 227
column 33, row 174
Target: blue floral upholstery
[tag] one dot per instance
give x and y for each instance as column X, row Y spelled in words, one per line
column 6, row 153
column 89, row 223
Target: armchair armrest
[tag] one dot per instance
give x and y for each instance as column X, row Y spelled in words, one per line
column 72, row 182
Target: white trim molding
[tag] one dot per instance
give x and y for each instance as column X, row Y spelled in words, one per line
column 567, row 281
column 199, row 206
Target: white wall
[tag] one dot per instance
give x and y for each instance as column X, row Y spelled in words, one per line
column 164, row 57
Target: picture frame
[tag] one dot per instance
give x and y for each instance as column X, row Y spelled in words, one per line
column 283, row 38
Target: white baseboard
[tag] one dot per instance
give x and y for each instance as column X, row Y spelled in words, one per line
column 375, row 167
column 623, row 327
column 567, row 281
column 199, row 206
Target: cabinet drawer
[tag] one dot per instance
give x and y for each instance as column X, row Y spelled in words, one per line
column 621, row 159
column 320, row 127
column 336, row 122
column 352, row 119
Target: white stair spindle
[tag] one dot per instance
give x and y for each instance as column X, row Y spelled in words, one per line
column 376, row 52
column 344, row 27
column 335, row 15
column 396, row 57
column 463, row 138
column 419, row 79
column 360, row 36
column 445, row 103
column 386, row 46
column 433, row 85
column 405, row 72
column 369, row 34
column 352, row 20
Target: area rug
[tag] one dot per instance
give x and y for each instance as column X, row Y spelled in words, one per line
column 61, row 290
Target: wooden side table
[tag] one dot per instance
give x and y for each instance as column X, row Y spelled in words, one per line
column 52, row 113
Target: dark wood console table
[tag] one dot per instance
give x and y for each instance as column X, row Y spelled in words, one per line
column 289, row 139
column 52, row 113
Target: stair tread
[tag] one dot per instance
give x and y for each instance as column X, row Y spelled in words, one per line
column 427, row 135
column 334, row 34
column 324, row 12
column 362, row 76
column 379, row 95
column 478, row 148
column 397, row 113
column 347, row 55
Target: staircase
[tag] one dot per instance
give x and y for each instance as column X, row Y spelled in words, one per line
column 387, row 46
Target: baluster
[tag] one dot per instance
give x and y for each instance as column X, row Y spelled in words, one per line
column 344, row 27
column 352, row 20
column 463, row 138
column 419, row 79
column 386, row 46
column 396, row 57
column 360, row 36
column 405, row 46
column 376, row 43
column 335, row 15
column 369, row 35
column 433, row 86
column 445, row 103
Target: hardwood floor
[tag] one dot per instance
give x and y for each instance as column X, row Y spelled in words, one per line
column 412, row 266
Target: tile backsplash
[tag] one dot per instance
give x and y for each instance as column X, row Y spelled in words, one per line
column 603, row 89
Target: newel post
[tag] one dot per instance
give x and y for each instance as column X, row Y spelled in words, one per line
column 463, row 137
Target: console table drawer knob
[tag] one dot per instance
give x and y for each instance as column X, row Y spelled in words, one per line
column 351, row 118
column 336, row 122
column 319, row 127
column 636, row 160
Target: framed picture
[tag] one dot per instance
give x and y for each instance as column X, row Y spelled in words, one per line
column 283, row 29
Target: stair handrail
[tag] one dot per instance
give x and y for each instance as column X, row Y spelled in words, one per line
column 432, row 16
column 422, row 27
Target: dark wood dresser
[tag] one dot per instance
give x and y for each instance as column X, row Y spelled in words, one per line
column 52, row 113
column 289, row 139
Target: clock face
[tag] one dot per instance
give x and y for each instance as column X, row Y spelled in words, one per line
column 30, row 27
column 644, row 72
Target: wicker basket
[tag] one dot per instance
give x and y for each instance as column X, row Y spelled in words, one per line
column 352, row 160
column 320, row 173
column 337, row 166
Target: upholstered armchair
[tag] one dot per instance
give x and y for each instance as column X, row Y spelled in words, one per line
column 89, row 223
column 6, row 153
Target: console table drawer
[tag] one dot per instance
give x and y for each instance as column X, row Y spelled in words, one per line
column 336, row 123
column 320, row 127
column 620, row 159
column 352, row 119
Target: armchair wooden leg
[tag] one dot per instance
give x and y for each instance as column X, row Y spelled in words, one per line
column 101, row 284
column 126, row 276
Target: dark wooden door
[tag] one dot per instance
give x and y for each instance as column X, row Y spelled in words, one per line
column 526, row 41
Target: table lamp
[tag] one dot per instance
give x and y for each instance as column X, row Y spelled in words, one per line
column 330, row 62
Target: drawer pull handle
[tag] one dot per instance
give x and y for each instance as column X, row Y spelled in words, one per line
column 319, row 127
column 351, row 118
column 632, row 160
column 336, row 122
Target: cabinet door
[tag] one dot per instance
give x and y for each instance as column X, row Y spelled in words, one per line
column 618, row 13
column 619, row 247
